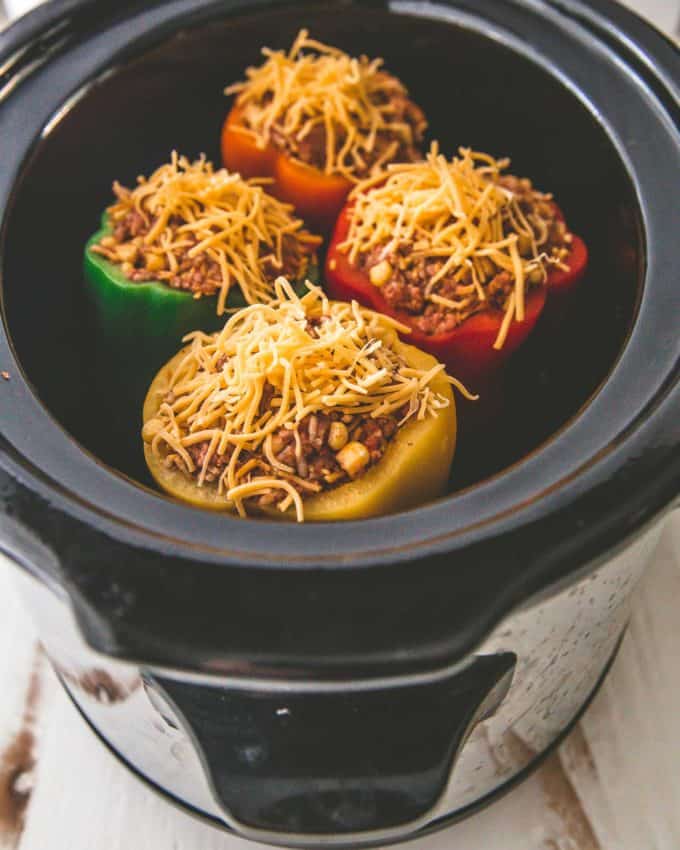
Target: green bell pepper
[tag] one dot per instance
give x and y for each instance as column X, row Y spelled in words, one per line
column 137, row 326
column 150, row 316
column 148, row 311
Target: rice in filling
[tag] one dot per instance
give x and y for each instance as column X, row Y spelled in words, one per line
column 309, row 455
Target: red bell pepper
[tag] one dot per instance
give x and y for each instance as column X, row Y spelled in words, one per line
column 468, row 350
column 317, row 197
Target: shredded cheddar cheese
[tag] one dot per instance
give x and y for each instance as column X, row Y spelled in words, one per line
column 188, row 211
column 350, row 100
column 459, row 220
column 317, row 356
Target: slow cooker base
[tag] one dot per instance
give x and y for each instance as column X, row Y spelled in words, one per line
column 435, row 826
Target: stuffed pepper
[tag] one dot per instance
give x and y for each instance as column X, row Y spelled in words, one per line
column 183, row 247
column 458, row 251
column 303, row 409
column 318, row 121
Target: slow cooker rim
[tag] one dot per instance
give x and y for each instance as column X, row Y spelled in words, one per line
column 31, row 28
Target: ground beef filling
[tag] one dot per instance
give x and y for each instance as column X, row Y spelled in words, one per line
column 200, row 274
column 333, row 449
column 391, row 144
column 409, row 271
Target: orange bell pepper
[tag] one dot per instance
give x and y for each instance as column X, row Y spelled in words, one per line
column 317, row 197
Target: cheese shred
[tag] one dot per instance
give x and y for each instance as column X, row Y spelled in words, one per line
column 293, row 357
column 457, row 222
column 211, row 226
column 361, row 113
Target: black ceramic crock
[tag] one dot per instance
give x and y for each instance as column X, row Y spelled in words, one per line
column 386, row 636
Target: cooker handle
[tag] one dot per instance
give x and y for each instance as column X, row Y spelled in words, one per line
column 307, row 763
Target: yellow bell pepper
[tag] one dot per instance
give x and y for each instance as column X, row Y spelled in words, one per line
column 413, row 470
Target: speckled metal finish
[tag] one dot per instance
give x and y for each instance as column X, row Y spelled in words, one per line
column 562, row 646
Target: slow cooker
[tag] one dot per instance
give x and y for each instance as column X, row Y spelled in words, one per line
column 364, row 682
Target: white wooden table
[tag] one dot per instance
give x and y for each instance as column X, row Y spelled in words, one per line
column 613, row 785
